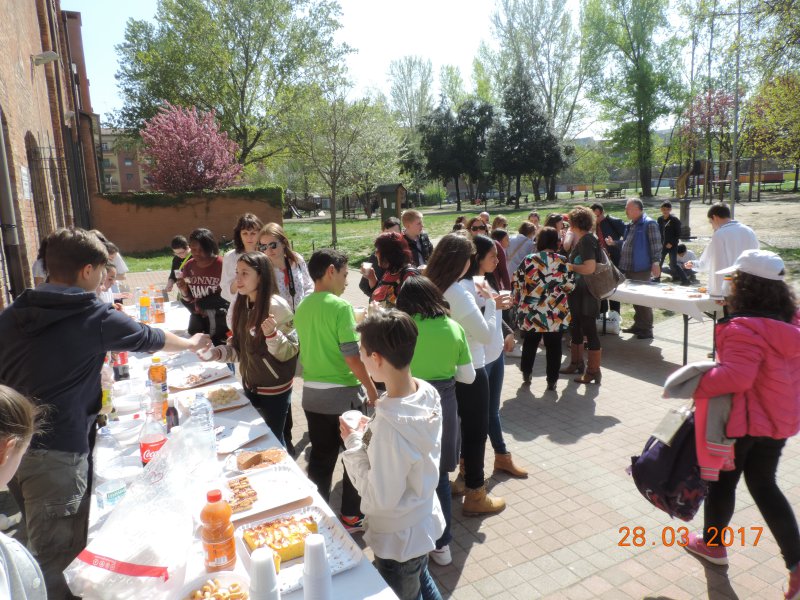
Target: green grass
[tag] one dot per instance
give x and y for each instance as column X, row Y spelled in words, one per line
column 156, row 260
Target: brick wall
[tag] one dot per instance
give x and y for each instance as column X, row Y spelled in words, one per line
column 136, row 228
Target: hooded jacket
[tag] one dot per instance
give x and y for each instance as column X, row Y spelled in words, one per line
column 394, row 465
column 759, row 363
column 54, row 340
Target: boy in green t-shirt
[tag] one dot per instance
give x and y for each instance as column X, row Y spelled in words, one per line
column 333, row 374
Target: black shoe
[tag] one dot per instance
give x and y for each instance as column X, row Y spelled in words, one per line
column 644, row 335
column 551, row 386
column 526, row 379
column 631, row 329
column 291, row 450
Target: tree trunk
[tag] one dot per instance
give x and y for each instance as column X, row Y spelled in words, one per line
column 796, row 175
column 333, row 215
column 519, row 190
column 536, row 195
column 458, row 195
column 551, row 188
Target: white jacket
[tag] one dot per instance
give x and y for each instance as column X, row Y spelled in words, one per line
column 480, row 328
column 727, row 243
column 228, row 275
column 396, row 473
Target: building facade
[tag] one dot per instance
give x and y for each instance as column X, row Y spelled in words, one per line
column 48, row 132
column 120, row 166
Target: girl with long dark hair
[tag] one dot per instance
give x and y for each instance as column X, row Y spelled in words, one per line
column 449, row 263
column 245, row 239
column 395, row 259
column 264, row 341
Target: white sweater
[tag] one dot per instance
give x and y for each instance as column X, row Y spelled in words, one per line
column 478, row 327
column 396, row 473
column 229, row 274
column 727, row 243
column 494, row 348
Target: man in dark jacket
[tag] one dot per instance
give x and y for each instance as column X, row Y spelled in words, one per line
column 608, row 226
column 54, row 341
column 670, row 227
column 418, row 242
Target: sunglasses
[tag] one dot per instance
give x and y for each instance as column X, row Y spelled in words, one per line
column 270, row 246
column 478, row 228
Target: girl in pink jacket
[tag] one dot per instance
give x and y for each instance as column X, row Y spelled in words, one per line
column 759, row 363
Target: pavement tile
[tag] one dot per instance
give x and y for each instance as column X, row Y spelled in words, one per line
column 559, row 536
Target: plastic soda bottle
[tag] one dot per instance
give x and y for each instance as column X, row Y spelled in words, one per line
column 106, row 383
column 219, row 547
column 159, row 316
column 152, row 436
column 144, row 308
column 157, row 382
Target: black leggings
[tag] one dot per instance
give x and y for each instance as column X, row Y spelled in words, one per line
column 473, row 410
column 757, row 458
column 552, row 345
column 581, row 326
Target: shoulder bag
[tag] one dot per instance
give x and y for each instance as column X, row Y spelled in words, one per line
column 605, row 279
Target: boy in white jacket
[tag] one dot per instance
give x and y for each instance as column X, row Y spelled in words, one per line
column 393, row 460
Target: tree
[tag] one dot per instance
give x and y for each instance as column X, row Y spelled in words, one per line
column 250, row 62
column 473, row 122
column 411, row 83
column 451, row 85
column 520, row 134
column 778, row 21
column 326, row 134
column 439, row 142
column 774, row 117
column 186, row 151
column 630, row 71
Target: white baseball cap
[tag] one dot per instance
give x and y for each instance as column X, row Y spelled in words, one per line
column 761, row 263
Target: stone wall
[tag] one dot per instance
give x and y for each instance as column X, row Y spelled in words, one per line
column 143, row 225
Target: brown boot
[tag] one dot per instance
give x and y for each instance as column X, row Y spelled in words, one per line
column 593, row 369
column 504, row 462
column 459, row 486
column 478, row 502
column 576, row 361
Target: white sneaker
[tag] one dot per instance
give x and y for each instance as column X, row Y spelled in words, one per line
column 516, row 352
column 441, row 556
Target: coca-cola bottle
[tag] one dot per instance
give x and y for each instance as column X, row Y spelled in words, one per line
column 152, row 436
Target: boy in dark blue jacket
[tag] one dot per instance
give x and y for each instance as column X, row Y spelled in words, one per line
column 55, row 338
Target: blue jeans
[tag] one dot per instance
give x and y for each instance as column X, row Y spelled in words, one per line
column 410, row 580
column 446, row 501
column 495, row 370
column 273, row 409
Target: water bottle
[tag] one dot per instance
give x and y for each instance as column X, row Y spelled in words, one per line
column 201, row 415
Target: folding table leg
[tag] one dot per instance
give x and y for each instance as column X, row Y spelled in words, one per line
column 685, row 338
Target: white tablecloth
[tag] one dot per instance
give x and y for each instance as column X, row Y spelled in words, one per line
column 679, row 299
column 363, row 581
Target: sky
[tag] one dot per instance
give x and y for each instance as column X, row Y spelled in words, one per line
column 446, row 31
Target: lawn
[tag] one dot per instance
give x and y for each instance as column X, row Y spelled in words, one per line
column 356, row 236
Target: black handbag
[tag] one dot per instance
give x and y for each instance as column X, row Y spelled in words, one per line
column 605, row 279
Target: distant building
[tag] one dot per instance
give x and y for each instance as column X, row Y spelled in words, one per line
column 48, row 134
column 120, row 166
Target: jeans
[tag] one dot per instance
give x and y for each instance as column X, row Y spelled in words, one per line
column 52, row 490
column 675, row 270
column 323, row 433
column 273, row 409
column 473, row 409
column 757, row 458
column 552, row 346
column 495, row 371
column 410, row 580
column 643, row 315
column 446, row 502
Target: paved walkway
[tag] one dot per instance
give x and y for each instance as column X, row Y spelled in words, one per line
column 559, row 536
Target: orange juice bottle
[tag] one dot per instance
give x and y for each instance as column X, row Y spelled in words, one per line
column 219, row 547
column 159, row 392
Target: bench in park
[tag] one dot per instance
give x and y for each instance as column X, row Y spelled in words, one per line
column 773, row 178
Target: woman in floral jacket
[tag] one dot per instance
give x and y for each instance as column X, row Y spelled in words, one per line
column 541, row 285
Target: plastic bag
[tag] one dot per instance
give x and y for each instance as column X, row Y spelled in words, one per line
column 613, row 323
column 140, row 551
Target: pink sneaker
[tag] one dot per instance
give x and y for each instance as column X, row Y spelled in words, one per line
column 793, row 593
column 717, row 555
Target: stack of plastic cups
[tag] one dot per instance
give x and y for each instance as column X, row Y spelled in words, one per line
column 263, row 578
column 317, row 584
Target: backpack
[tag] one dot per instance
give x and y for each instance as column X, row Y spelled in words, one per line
column 668, row 476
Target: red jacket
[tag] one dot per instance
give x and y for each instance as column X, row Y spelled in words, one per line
column 759, row 363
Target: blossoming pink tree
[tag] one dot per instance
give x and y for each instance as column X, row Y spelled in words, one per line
column 187, row 152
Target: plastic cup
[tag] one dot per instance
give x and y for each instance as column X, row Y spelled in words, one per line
column 360, row 313
column 317, row 584
column 478, row 279
column 352, row 418
column 178, row 274
column 263, row 579
column 504, row 293
column 366, row 267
